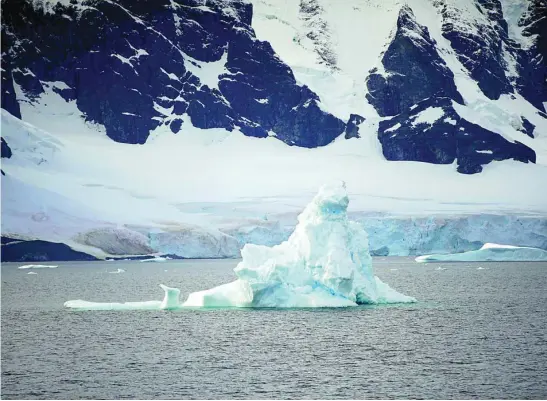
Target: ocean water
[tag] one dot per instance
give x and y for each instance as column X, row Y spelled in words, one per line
column 476, row 333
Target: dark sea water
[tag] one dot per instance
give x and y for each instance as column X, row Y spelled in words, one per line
column 474, row 334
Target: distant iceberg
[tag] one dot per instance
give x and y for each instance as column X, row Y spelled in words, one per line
column 156, row 259
column 38, row 267
column 490, row 252
column 324, row 263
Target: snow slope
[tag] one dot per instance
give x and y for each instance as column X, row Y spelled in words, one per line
column 54, row 191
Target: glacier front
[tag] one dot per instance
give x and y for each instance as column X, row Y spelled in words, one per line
column 490, row 252
column 324, row 263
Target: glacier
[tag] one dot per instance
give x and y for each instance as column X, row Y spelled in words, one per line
column 324, row 263
column 490, row 252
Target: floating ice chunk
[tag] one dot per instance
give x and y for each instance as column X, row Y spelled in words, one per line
column 118, row 271
column 324, row 263
column 32, row 273
column 490, row 252
column 38, row 267
column 157, row 259
column 86, row 305
column 170, row 301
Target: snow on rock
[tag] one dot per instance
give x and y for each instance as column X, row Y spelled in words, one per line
column 324, row 263
column 116, row 241
column 38, row 267
column 490, row 252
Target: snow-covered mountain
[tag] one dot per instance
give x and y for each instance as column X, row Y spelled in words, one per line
column 130, row 127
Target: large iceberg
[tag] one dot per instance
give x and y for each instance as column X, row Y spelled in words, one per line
column 490, row 252
column 324, row 263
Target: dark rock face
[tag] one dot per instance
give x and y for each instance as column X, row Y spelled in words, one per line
column 352, row 127
column 447, row 139
column 134, row 65
column 413, row 70
column 40, row 251
column 483, row 50
column 532, row 82
column 480, row 52
column 528, row 127
column 5, row 150
column 9, row 99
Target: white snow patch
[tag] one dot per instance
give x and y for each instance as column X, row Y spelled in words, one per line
column 170, row 75
column 428, row 116
column 208, row 73
column 394, row 128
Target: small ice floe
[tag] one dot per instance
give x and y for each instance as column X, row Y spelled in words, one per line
column 440, row 268
column 171, row 301
column 38, row 267
column 157, row 259
column 118, row 271
column 32, row 273
column 481, row 268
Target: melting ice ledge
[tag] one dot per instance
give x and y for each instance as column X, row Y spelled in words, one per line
column 324, row 263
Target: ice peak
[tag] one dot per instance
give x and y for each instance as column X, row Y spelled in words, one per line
column 330, row 203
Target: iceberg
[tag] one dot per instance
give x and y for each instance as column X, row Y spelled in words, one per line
column 38, row 267
column 118, row 271
column 156, row 259
column 490, row 252
column 324, row 263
